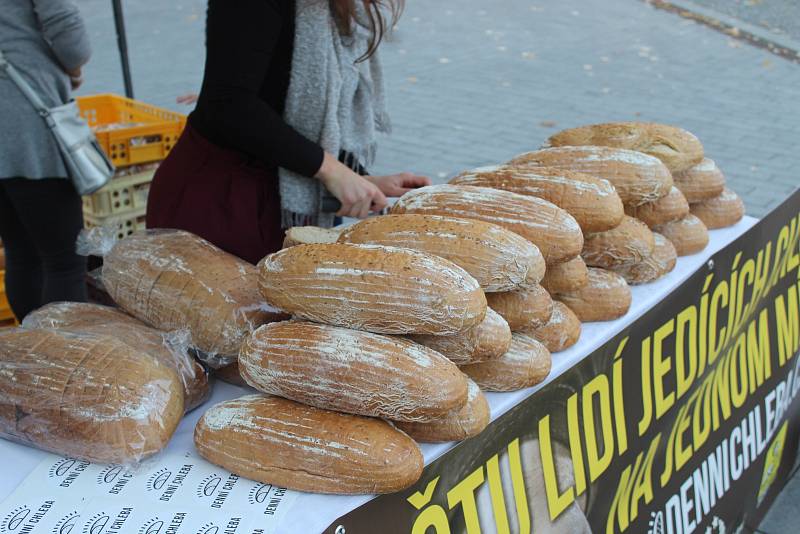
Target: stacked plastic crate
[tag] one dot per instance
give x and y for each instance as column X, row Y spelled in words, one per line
column 5, row 310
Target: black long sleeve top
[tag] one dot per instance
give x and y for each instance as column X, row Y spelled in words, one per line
column 249, row 46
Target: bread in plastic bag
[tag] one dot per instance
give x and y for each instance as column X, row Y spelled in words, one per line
column 85, row 396
column 170, row 348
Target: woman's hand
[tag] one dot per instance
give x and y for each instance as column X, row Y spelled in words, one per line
column 75, row 78
column 357, row 195
column 396, row 185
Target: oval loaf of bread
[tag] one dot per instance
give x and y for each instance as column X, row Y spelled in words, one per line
column 524, row 310
column 86, row 396
column 659, row 263
column 606, row 297
column 689, row 235
column 284, row 443
column 566, row 277
column 593, row 201
column 487, row 341
column 677, row 148
column 637, row 177
column 526, row 363
column 701, row 182
column 499, row 260
column 457, row 425
column 309, row 235
column 230, row 374
column 562, row 330
column 629, row 243
column 349, row 371
column 379, row 289
column 172, row 279
column 720, row 212
column 669, row 208
column 553, row 230
column 79, row 317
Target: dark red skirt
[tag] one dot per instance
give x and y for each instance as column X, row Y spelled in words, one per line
column 219, row 194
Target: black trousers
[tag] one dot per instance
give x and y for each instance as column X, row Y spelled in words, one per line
column 39, row 223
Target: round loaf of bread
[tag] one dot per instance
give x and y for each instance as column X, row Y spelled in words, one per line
column 677, row 148
column 526, row 363
column 230, row 374
column 659, row 263
column 350, row 371
column 629, row 243
column 669, row 208
column 287, row 444
column 459, row 424
column 720, row 212
column 487, row 341
column 379, row 289
column 637, row 177
column 606, row 297
column 498, row 259
column 565, row 277
column 524, row 310
column 689, row 235
column 593, row 201
column 86, row 396
column 553, row 230
column 309, row 235
column 701, row 182
column 562, row 330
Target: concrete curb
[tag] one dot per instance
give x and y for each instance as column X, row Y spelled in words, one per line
column 779, row 45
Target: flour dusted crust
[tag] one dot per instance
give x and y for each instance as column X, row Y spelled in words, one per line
column 669, row 208
column 630, row 242
column 86, row 396
column 562, row 330
column 379, row 289
column 701, row 182
column 606, row 297
column 499, row 259
column 309, row 235
column 593, row 201
column 565, row 277
column 553, row 230
column 172, row 279
column 284, row 443
column 637, row 177
column 689, row 235
column 524, row 310
column 721, row 211
column 526, row 363
column 677, row 148
column 659, row 263
column 487, row 341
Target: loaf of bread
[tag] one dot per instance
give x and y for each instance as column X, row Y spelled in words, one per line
column 689, row 235
column 287, row 444
column 309, row 235
column 701, row 182
column 85, row 396
column 606, row 297
column 565, row 277
column 722, row 211
column 487, row 341
column 498, row 259
column 174, row 280
column 230, row 374
column 637, row 177
column 562, row 330
column 629, row 243
column 81, row 318
column 524, row 310
column 380, row 289
column 669, row 208
column 593, row 201
column 659, row 263
column 675, row 147
column 553, row 230
column 459, row 424
column 526, row 363
column 350, row 371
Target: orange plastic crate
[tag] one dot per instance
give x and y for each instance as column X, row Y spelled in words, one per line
column 5, row 310
column 131, row 132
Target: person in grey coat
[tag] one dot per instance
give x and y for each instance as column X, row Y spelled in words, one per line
column 40, row 211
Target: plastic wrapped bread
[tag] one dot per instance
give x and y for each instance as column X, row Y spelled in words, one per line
column 722, row 211
column 86, row 396
column 526, row 363
column 487, row 341
column 629, row 243
column 669, row 208
column 498, row 259
column 689, row 235
column 701, row 182
column 593, row 201
column 659, row 263
column 637, row 177
column 285, row 443
column 606, row 297
column 379, row 289
column 350, row 371
column 309, row 235
column 553, row 230
column 565, row 277
column 562, row 330
column 170, row 349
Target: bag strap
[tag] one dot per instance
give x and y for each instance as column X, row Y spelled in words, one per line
column 24, row 86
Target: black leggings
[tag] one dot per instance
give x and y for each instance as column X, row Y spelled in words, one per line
column 39, row 222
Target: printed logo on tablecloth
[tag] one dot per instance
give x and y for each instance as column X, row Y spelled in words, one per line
column 24, row 518
column 96, row 523
column 65, row 471
column 15, row 519
column 158, row 479
column 214, row 489
column 114, row 478
column 66, row 524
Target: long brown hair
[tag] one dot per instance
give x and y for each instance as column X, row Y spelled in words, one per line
column 344, row 12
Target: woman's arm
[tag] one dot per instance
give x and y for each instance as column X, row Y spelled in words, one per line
column 63, row 29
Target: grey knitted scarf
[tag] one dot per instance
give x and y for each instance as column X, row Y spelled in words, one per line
column 332, row 100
